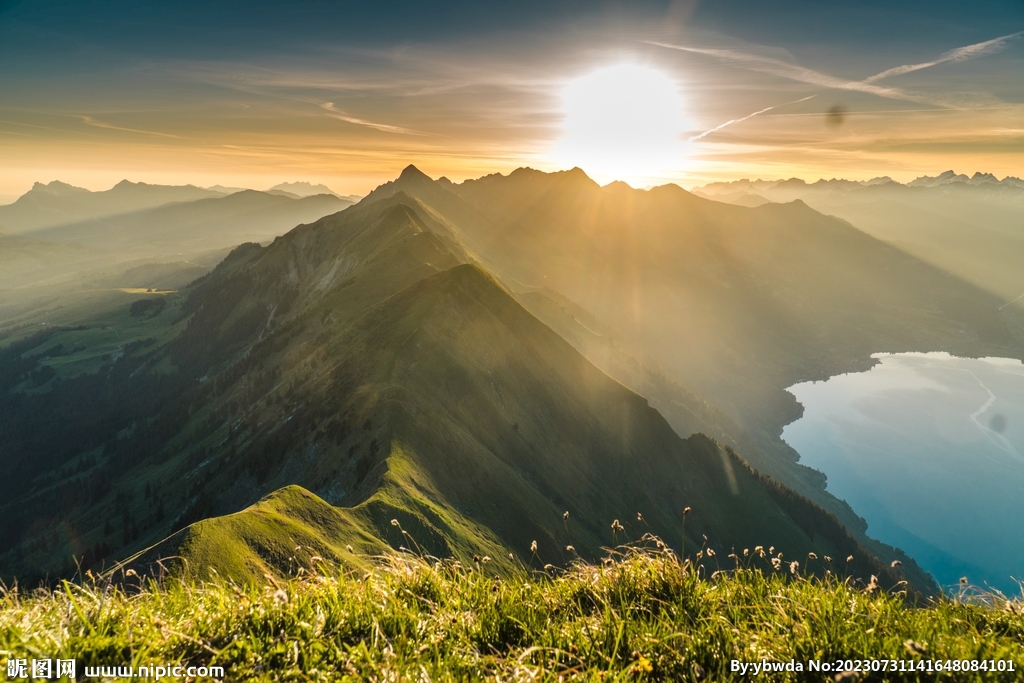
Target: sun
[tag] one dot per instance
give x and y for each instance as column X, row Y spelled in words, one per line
column 622, row 122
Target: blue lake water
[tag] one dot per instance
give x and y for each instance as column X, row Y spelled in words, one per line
column 927, row 447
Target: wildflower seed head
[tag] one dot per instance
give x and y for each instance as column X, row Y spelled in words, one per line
column 533, row 547
column 794, row 568
column 711, row 553
column 485, row 559
column 896, row 563
column 348, row 548
column 776, row 563
column 811, row 556
column 686, row 511
column 565, row 515
column 570, row 549
column 394, row 522
column 850, row 558
column 746, row 552
column 639, row 517
column 511, row 557
column 828, row 559
column 963, row 579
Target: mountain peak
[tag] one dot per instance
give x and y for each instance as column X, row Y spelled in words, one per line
column 57, row 187
column 302, row 189
column 410, row 172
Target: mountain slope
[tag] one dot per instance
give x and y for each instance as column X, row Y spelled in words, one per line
column 362, row 358
column 484, row 426
column 734, row 303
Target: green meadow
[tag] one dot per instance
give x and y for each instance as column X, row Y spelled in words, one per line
column 639, row 614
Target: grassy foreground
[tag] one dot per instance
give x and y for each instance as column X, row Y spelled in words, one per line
column 637, row 616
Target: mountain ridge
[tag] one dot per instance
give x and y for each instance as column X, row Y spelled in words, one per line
column 366, row 358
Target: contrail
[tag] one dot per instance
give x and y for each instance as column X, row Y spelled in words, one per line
column 748, row 116
column 338, row 114
column 960, row 54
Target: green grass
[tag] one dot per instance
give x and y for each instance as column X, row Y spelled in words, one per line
column 638, row 615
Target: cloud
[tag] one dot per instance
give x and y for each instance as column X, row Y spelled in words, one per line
column 795, row 72
column 801, row 74
column 960, row 54
column 90, row 121
column 383, row 127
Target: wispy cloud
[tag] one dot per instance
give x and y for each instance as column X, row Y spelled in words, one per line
column 802, row 74
column 740, row 120
column 342, row 116
column 960, row 54
column 795, row 72
column 90, row 121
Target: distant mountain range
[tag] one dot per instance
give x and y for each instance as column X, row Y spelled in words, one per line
column 455, row 367
column 89, row 233
column 968, row 226
column 56, row 203
column 948, row 179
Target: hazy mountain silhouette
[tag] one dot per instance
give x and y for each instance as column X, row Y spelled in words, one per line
column 969, row 226
column 56, row 203
column 205, row 223
column 303, row 189
column 181, row 231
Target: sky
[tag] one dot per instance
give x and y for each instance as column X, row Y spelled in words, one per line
column 688, row 91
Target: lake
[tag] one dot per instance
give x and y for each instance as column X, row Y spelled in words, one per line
column 927, row 447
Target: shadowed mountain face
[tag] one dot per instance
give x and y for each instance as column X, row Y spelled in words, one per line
column 367, row 360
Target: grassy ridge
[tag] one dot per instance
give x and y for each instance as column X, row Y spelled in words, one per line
column 638, row 615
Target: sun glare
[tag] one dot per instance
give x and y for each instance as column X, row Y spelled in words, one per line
column 622, row 122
